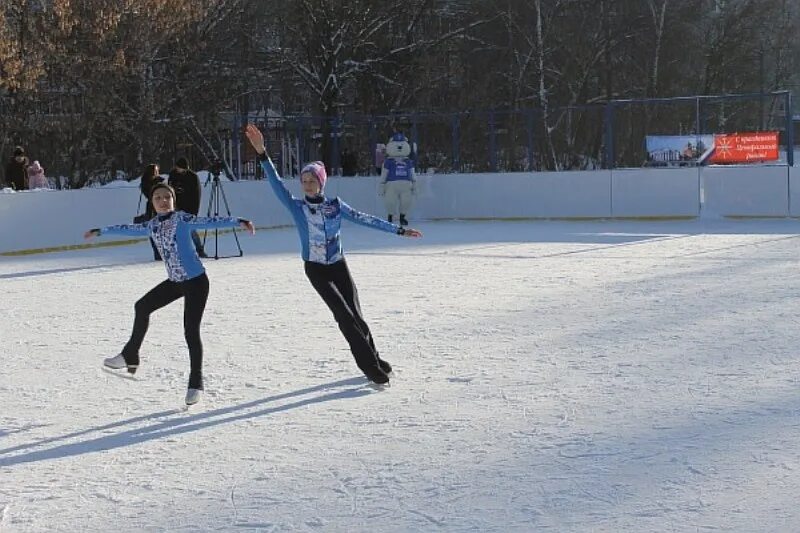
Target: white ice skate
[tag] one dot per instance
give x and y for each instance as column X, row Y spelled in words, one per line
column 118, row 362
column 193, row 396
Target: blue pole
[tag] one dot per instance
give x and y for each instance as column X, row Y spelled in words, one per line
column 373, row 144
column 414, row 139
column 301, row 145
column 236, row 135
column 609, row 136
column 492, row 143
column 336, row 132
column 702, row 116
column 789, row 130
column 530, row 115
column 456, row 159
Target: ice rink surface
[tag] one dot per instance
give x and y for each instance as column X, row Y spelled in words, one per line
column 550, row 376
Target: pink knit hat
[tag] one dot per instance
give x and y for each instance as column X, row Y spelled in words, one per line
column 317, row 169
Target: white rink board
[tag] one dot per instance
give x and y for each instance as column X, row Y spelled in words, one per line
column 755, row 191
column 729, row 191
column 656, row 192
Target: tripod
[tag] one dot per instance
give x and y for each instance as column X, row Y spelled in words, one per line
column 218, row 192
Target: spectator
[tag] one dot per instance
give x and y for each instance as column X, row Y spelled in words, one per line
column 349, row 163
column 150, row 178
column 17, row 170
column 187, row 188
column 36, row 178
column 380, row 156
column 688, row 152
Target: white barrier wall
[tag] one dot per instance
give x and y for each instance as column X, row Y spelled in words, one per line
column 746, row 191
column 667, row 192
column 42, row 219
column 515, row 195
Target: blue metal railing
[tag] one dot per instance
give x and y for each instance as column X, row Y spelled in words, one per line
column 604, row 135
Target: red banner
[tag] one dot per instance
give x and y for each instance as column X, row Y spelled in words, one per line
column 745, row 147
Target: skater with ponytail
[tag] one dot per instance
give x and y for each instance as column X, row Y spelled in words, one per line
column 170, row 230
column 318, row 220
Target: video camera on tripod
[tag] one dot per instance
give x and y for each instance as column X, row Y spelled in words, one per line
column 214, row 170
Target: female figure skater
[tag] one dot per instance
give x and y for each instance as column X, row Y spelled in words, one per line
column 170, row 230
column 318, row 220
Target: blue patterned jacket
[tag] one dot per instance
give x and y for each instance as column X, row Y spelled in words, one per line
column 319, row 224
column 172, row 234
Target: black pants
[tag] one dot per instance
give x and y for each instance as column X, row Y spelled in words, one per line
column 195, row 294
column 335, row 285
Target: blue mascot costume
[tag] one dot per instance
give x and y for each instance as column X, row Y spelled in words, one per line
column 398, row 182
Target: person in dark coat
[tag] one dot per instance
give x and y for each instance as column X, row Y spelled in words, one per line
column 150, row 178
column 349, row 162
column 17, row 170
column 187, row 188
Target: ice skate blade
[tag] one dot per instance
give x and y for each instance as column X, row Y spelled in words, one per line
column 193, row 397
column 118, row 363
column 130, row 368
column 116, row 372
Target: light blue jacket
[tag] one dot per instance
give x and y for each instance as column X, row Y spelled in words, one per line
column 319, row 224
column 172, row 234
column 398, row 169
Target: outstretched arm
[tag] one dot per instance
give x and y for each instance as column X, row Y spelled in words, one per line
column 374, row 222
column 217, row 222
column 120, row 229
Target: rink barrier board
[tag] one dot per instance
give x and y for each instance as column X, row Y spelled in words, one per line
column 127, row 242
column 50, row 221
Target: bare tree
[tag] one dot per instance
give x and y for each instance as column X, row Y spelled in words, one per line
column 331, row 46
column 110, row 83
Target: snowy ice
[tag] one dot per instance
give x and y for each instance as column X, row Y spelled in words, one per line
column 550, row 376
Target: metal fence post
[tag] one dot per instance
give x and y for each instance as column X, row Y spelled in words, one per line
column 697, row 116
column 301, row 144
column 414, row 141
column 455, row 135
column 492, row 143
column 286, row 139
column 336, row 134
column 530, row 125
column 609, row 136
column 236, row 136
column 789, row 130
column 701, row 116
column 373, row 144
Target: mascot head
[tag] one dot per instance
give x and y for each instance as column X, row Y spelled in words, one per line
column 398, row 146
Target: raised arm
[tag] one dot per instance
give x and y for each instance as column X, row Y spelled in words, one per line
column 256, row 140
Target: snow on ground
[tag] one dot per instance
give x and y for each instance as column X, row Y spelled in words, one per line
column 551, row 376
